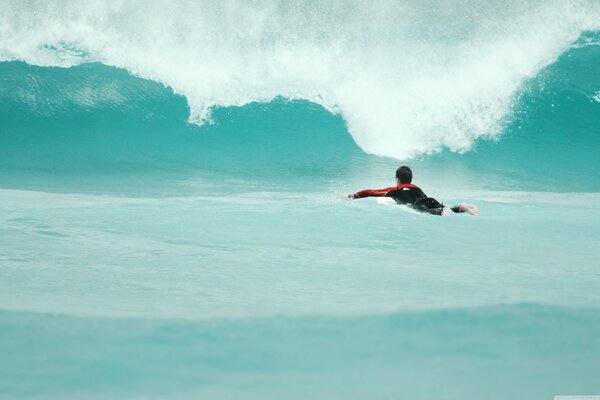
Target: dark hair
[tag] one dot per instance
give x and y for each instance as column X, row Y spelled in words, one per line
column 404, row 174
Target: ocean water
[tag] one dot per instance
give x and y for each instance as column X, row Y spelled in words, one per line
column 170, row 225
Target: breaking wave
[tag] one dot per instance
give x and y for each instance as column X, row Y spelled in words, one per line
column 408, row 78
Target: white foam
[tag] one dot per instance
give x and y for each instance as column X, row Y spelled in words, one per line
column 408, row 77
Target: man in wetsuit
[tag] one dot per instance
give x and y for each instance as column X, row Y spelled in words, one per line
column 406, row 193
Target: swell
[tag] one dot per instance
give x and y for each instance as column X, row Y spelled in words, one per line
column 550, row 140
column 472, row 350
column 93, row 122
column 401, row 74
column 98, row 120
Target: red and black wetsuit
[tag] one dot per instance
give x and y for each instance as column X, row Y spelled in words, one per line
column 405, row 193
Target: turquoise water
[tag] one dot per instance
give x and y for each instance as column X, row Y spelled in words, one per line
column 169, row 219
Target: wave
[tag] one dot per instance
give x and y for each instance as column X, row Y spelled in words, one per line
column 470, row 350
column 406, row 78
column 94, row 127
column 549, row 142
column 96, row 119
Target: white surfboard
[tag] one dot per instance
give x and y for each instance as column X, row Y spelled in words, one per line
column 388, row 201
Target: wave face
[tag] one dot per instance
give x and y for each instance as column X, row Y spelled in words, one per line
column 93, row 119
column 407, row 77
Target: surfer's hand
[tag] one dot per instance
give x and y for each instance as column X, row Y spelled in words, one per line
column 470, row 208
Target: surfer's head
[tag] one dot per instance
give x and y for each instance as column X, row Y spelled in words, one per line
column 404, row 174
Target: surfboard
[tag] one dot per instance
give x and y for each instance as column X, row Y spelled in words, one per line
column 388, row 201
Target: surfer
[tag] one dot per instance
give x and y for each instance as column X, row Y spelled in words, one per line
column 405, row 192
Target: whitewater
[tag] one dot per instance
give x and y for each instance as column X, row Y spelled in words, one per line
column 170, row 216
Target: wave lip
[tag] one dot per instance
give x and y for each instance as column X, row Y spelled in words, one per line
column 407, row 78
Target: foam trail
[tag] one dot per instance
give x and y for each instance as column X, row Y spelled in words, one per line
column 408, row 78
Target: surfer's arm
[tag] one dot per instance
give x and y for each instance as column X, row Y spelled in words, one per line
column 370, row 193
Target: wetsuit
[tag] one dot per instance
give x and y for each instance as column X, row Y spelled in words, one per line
column 409, row 194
